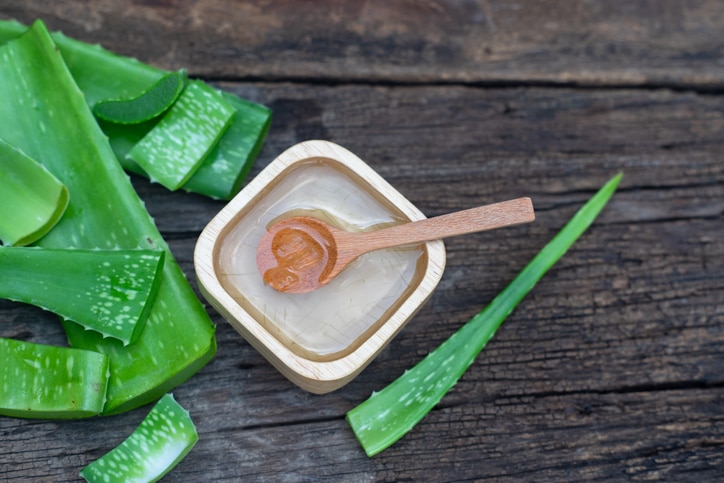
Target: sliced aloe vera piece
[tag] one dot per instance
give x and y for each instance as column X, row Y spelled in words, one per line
column 33, row 200
column 163, row 438
column 174, row 149
column 147, row 105
column 109, row 291
column 389, row 414
column 42, row 381
column 227, row 166
column 104, row 212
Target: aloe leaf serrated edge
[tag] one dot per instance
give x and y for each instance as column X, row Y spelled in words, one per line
column 109, row 291
column 389, row 414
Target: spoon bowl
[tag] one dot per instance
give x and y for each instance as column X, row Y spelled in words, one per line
column 302, row 253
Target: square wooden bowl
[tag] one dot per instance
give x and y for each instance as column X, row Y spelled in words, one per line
column 323, row 339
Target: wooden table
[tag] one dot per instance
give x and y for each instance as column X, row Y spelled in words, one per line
column 613, row 366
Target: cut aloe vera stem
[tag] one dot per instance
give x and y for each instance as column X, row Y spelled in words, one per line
column 104, row 212
column 109, row 291
column 224, row 170
column 174, row 149
column 163, row 438
column 47, row 382
column 33, row 200
column 147, row 105
column 104, row 75
column 389, row 414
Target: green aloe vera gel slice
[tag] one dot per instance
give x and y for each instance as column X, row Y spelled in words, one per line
column 223, row 171
column 147, row 105
column 174, row 149
column 109, row 291
column 163, row 438
column 389, row 414
column 39, row 95
column 47, row 382
column 31, row 199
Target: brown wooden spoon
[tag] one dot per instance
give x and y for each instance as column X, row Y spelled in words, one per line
column 301, row 254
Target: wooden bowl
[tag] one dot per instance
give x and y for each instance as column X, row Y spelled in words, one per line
column 321, row 340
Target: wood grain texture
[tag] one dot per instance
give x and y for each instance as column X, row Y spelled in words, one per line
column 612, row 368
column 668, row 42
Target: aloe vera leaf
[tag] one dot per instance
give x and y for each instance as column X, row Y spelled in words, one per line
column 99, row 73
column 102, row 74
column 32, row 200
column 48, row 382
column 109, row 291
column 163, row 438
column 389, row 414
column 104, row 212
column 10, row 30
column 174, row 149
column 224, row 170
column 147, row 105
column 123, row 137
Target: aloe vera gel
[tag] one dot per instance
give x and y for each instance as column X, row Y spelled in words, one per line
column 327, row 323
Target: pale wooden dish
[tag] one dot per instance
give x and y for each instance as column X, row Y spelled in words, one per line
column 317, row 375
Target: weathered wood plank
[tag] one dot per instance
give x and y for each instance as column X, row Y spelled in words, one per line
column 611, row 368
column 573, row 437
column 606, row 43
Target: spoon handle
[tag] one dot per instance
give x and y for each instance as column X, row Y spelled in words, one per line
column 488, row 217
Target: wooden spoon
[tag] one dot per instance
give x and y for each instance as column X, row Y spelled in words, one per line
column 301, row 254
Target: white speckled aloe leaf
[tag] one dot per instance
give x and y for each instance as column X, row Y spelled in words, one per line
column 109, row 291
column 163, row 438
column 389, row 414
column 33, row 200
column 44, row 113
column 48, row 382
column 225, row 168
column 175, row 147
